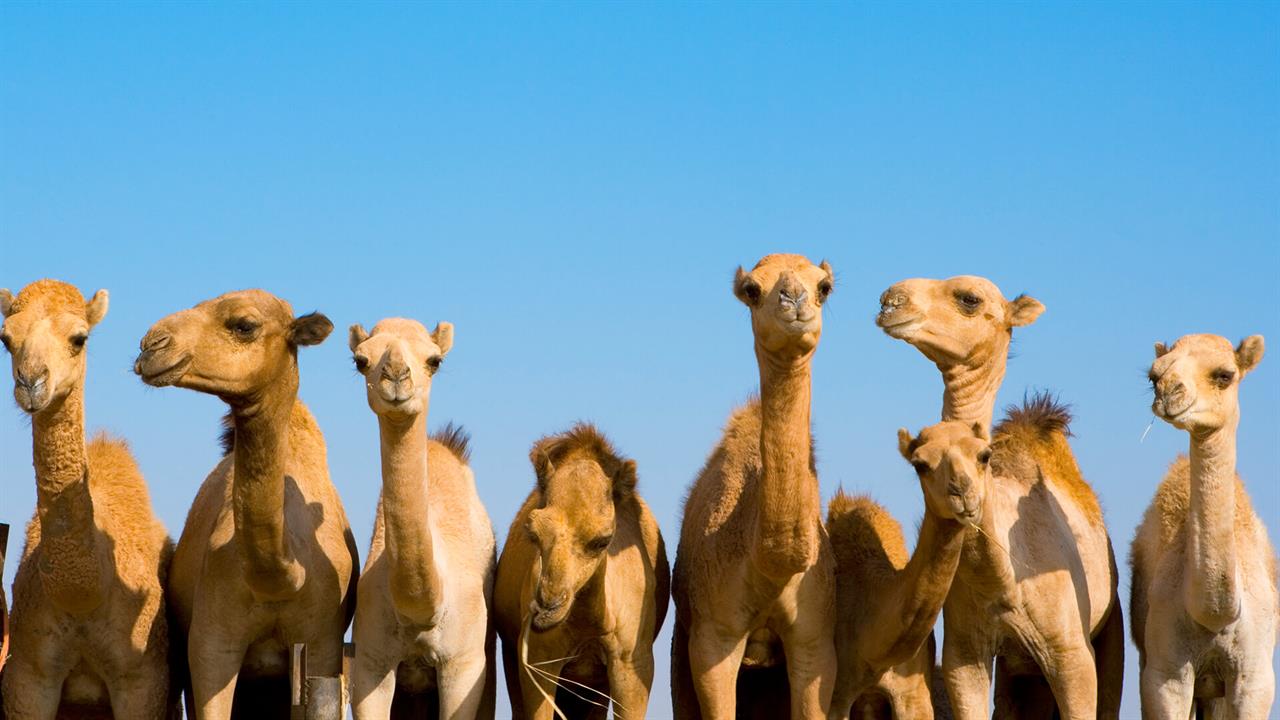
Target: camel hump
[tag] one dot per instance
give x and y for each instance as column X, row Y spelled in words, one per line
column 456, row 439
column 1031, row 443
column 863, row 533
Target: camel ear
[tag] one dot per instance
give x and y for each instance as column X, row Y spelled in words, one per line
column 1161, row 349
column 1023, row 310
column 6, row 302
column 624, row 480
column 1249, row 354
column 443, row 336
column 310, row 329
column 356, row 334
column 980, row 432
column 96, row 309
column 904, row 443
column 746, row 288
column 540, row 458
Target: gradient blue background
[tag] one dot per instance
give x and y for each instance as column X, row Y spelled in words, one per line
column 573, row 185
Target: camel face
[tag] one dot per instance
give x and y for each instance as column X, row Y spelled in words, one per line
column 232, row 346
column 785, row 294
column 580, row 478
column 948, row 320
column 1197, row 381
column 45, row 330
column 397, row 361
column 953, row 462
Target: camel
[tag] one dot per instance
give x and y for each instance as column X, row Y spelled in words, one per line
column 1204, row 598
column 964, row 325
column 416, row 633
column 582, row 585
column 89, row 625
column 884, row 639
column 754, row 577
column 266, row 558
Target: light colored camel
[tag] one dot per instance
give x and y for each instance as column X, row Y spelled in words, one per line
column 754, row 572
column 887, row 605
column 89, row 625
column 583, row 584
column 422, row 623
column 964, row 325
column 266, row 558
column 1204, row 598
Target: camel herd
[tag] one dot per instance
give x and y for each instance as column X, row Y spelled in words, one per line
column 777, row 614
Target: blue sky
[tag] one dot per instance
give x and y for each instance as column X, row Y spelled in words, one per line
column 573, row 185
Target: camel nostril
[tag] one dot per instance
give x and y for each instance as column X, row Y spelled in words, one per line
column 156, row 341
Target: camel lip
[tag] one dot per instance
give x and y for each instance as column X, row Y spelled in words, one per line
column 890, row 320
column 165, row 376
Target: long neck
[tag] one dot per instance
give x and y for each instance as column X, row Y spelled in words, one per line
column 970, row 387
column 267, row 548
column 416, row 586
column 1212, row 597
column 986, row 565
column 901, row 624
column 788, row 514
column 71, row 566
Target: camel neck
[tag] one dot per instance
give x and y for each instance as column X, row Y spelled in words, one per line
column 788, row 514
column 970, row 387
column 1212, row 595
column 71, row 565
column 902, row 623
column 267, row 548
column 415, row 582
column 985, row 561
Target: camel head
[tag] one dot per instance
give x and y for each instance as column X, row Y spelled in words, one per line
column 953, row 460
column 397, row 361
column 1197, row 381
column 785, row 294
column 581, row 481
column 953, row 320
column 45, row 330
column 237, row 346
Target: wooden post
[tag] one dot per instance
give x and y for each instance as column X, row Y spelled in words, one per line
column 313, row 697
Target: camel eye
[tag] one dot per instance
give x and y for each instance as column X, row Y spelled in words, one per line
column 921, row 467
column 824, row 289
column 361, row 362
column 968, row 301
column 599, row 545
column 1222, row 377
column 984, row 457
column 243, row 328
column 77, row 342
column 433, row 363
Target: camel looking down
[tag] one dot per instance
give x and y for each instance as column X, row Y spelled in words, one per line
column 884, row 638
column 964, row 325
column 1204, row 599
column 582, row 586
column 754, row 576
column 89, row 626
column 422, row 625
column 266, row 558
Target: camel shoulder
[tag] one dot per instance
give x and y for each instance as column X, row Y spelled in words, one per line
column 1032, row 441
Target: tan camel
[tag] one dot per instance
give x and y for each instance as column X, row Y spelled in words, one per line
column 266, row 558
column 887, row 605
column 1204, row 598
column 754, row 574
column 89, row 626
column 416, row 633
column 964, row 325
column 583, row 584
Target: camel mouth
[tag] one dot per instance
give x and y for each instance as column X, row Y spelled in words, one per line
column 898, row 328
column 164, row 376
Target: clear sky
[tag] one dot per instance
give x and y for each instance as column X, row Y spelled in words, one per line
column 573, row 185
